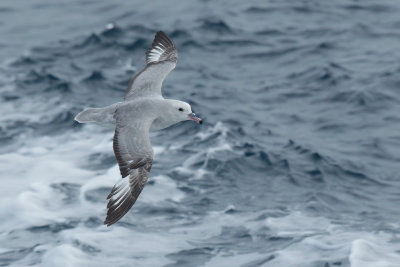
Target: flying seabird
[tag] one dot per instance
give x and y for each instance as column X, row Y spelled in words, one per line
column 144, row 109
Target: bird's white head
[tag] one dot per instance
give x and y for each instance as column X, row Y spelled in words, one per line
column 181, row 111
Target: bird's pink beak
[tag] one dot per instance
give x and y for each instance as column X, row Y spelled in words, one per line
column 193, row 117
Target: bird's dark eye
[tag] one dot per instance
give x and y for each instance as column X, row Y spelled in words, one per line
column 180, row 109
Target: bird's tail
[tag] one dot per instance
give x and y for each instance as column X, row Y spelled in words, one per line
column 88, row 115
column 101, row 115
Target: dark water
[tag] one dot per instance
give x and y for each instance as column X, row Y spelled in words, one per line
column 297, row 163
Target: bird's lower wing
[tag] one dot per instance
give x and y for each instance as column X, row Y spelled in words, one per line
column 134, row 154
column 125, row 194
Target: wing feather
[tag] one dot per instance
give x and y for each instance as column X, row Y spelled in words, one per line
column 161, row 59
column 161, row 49
column 134, row 155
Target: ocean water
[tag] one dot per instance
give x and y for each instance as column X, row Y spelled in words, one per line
column 297, row 162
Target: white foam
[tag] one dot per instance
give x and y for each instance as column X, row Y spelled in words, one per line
column 110, row 26
column 164, row 188
column 61, row 159
column 236, row 259
column 218, row 127
column 30, row 171
column 65, row 255
column 118, row 246
column 221, row 145
column 321, row 240
column 368, row 253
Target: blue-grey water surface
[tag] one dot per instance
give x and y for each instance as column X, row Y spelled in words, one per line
column 297, row 163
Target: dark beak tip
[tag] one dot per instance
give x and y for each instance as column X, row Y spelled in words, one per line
column 200, row 121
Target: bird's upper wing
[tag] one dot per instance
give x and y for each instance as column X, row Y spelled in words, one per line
column 134, row 154
column 161, row 59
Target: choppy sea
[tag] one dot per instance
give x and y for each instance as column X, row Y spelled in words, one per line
column 296, row 165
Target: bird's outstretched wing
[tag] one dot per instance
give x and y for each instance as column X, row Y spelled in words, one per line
column 161, row 59
column 134, row 154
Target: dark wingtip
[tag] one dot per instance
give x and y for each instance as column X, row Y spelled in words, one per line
column 161, row 48
column 108, row 224
column 161, row 33
column 162, row 38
